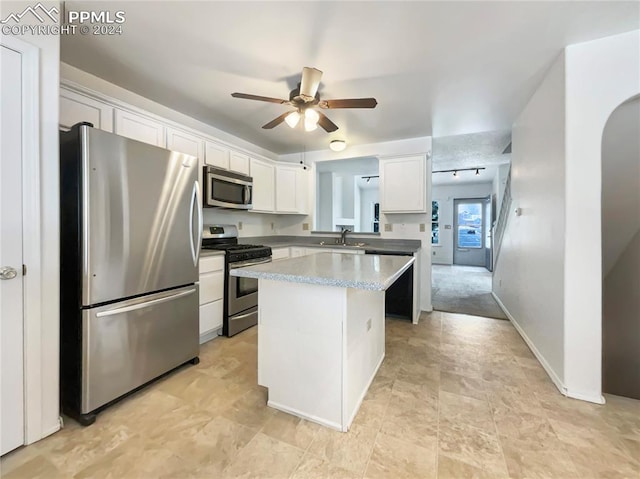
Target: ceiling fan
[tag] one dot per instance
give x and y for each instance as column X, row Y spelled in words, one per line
column 306, row 99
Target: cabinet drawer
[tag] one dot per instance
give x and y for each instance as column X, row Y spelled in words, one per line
column 211, row 263
column 210, row 316
column 211, row 286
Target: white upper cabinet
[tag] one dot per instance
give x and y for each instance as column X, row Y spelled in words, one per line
column 286, row 189
column 216, row 155
column 403, row 184
column 292, row 189
column 239, row 163
column 263, row 174
column 75, row 108
column 139, row 127
column 183, row 142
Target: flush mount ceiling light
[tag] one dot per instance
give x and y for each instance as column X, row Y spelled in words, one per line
column 338, row 145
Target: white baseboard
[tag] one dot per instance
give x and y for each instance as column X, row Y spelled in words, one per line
column 548, row 369
column 295, row 412
column 590, row 397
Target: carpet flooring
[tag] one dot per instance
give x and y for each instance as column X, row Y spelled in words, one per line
column 464, row 289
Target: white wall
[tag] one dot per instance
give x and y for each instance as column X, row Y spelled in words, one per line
column 325, row 201
column 529, row 275
column 499, row 183
column 443, row 253
column 601, row 75
column 42, row 389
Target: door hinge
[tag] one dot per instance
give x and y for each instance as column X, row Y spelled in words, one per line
column 24, row 270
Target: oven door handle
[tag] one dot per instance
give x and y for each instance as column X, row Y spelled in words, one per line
column 251, row 263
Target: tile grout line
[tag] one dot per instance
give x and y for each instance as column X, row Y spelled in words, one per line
column 436, row 474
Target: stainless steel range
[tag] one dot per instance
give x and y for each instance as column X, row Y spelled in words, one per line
column 241, row 294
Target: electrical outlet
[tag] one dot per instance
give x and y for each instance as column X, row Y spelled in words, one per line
column 273, row 226
column 239, row 225
column 369, row 324
column 422, row 228
column 434, row 253
column 388, row 226
column 305, row 226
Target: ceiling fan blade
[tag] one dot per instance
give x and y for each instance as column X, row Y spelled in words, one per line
column 276, row 121
column 247, row 96
column 326, row 124
column 349, row 103
column 310, row 83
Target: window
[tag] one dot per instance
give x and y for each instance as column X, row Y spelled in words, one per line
column 435, row 223
column 469, row 225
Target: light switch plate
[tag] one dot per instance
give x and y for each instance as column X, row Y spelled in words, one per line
column 239, row 225
column 305, row 226
column 368, row 324
column 388, row 227
column 422, row 228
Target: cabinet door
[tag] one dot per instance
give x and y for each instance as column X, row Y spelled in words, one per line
column 403, row 184
column 216, row 155
column 185, row 143
column 76, row 108
column 211, row 287
column 239, row 163
column 296, row 251
column 286, row 189
column 263, row 175
column 138, row 127
column 211, row 316
column 279, row 253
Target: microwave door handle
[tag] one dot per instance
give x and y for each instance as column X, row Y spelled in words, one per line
column 245, row 195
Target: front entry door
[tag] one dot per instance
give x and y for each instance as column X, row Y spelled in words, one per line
column 11, row 315
column 468, row 232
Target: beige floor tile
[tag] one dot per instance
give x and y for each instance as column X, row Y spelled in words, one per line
column 416, row 373
column 412, row 421
column 251, row 409
column 291, row 429
column 463, row 409
column 527, row 462
column 471, row 445
column 314, row 467
column 349, row 451
column 371, row 413
column 536, row 430
column 17, row 458
column 403, row 390
column 137, row 458
column 602, row 462
column 449, row 468
column 394, row 458
column 472, row 387
column 214, row 446
column 38, row 467
column 264, row 457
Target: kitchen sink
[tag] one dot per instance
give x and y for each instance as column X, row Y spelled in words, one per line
column 352, row 245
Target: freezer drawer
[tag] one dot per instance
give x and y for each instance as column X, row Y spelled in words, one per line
column 129, row 343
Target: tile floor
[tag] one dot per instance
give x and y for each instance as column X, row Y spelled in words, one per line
column 456, row 397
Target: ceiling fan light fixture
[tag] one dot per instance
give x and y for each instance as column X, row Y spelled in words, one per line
column 311, row 118
column 337, row 145
column 292, row 119
column 309, row 125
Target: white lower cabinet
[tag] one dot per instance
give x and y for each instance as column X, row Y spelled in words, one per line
column 280, row 253
column 211, row 296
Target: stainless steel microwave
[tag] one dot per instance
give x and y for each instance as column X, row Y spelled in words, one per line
column 227, row 189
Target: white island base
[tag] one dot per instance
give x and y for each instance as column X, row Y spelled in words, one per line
column 319, row 348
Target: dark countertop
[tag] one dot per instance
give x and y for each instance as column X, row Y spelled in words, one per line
column 378, row 244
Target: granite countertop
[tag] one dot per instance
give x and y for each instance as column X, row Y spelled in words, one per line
column 369, row 272
column 378, row 244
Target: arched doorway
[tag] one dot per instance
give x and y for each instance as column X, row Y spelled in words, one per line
column 621, row 251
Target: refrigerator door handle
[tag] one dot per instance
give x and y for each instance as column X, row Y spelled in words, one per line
column 144, row 304
column 195, row 243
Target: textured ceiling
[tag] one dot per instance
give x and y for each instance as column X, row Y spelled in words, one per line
column 436, row 68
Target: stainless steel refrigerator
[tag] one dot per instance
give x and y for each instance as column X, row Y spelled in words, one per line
column 131, row 228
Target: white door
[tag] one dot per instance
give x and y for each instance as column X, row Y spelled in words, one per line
column 468, row 231
column 11, row 319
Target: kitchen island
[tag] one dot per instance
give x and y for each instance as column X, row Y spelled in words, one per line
column 321, row 331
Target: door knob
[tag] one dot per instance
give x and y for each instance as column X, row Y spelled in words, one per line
column 7, row 272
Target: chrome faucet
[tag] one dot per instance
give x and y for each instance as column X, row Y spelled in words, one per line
column 343, row 235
